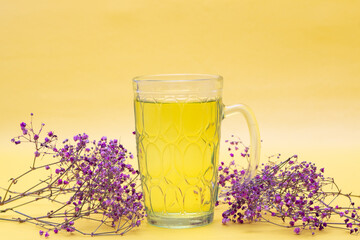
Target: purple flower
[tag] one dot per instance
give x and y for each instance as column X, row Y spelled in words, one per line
column 225, row 220
column 17, row 142
column 102, row 166
column 22, row 125
column 288, row 190
column 37, row 154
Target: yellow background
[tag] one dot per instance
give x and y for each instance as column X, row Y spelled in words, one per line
column 296, row 63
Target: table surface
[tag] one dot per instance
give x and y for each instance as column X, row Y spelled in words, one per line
column 296, row 63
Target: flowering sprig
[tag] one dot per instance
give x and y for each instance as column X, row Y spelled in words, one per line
column 296, row 192
column 93, row 180
column 86, row 179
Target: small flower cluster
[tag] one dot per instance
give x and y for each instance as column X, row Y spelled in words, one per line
column 291, row 191
column 94, row 176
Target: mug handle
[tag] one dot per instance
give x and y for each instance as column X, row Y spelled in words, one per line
column 254, row 135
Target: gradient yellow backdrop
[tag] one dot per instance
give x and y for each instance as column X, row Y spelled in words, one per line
column 296, row 63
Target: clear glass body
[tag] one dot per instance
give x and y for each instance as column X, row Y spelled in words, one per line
column 177, row 119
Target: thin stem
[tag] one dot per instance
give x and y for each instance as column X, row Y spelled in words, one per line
column 7, row 190
column 24, row 193
column 102, row 222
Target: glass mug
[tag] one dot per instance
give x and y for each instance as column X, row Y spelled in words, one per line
column 178, row 118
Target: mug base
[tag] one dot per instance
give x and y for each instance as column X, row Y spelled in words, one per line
column 179, row 222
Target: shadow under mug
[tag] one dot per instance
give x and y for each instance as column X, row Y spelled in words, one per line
column 178, row 118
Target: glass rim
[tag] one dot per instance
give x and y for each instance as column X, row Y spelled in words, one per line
column 177, row 77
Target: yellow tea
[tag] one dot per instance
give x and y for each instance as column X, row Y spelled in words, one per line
column 178, row 145
column 178, row 119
